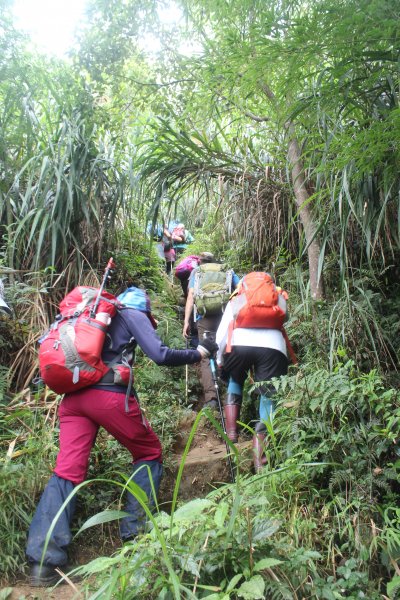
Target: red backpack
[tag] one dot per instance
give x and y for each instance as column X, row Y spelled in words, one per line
column 70, row 352
column 259, row 304
column 186, row 266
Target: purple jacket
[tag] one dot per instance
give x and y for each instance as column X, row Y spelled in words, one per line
column 131, row 323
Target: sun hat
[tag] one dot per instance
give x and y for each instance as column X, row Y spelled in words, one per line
column 134, row 297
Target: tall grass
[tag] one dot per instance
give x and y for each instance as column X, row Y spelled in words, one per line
column 62, row 186
column 28, row 448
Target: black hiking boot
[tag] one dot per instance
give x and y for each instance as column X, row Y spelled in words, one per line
column 43, row 575
column 47, row 576
column 129, row 538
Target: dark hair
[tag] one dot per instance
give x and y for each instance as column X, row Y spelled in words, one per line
column 207, row 257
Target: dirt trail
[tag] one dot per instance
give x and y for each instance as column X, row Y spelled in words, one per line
column 61, row 592
column 206, row 465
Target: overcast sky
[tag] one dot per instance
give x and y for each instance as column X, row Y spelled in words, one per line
column 50, row 23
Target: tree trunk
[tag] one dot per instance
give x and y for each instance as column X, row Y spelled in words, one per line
column 302, row 196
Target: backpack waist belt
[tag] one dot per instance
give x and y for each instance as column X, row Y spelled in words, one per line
column 108, row 379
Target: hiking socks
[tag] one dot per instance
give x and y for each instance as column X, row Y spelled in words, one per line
column 266, row 412
column 267, row 409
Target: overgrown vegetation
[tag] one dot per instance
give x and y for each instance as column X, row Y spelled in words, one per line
column 270, row 128
column 321, row 521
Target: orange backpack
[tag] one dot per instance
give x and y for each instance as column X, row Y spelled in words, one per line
column 258, row 304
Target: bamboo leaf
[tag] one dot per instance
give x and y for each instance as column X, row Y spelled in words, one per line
column 105, row 516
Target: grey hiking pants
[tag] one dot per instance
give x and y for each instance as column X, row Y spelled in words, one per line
column 208, row 326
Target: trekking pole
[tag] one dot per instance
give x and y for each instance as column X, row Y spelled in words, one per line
column 221, row 412
column 107, row 274
column 187, row 376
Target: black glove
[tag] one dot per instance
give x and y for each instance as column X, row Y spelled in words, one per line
column 207, row 346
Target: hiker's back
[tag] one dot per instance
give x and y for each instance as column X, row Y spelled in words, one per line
column 251, row 338
column 212, row 288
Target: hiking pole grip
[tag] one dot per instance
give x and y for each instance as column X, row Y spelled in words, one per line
column 107, row 273
column 221, row 412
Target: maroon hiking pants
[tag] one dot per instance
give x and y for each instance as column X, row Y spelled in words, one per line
column 81, row 415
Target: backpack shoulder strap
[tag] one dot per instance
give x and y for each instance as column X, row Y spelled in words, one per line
column 197, row 277
column 229, row 337
column 121, row 356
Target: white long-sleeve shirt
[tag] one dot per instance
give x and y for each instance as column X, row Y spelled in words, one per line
column 259, row 338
